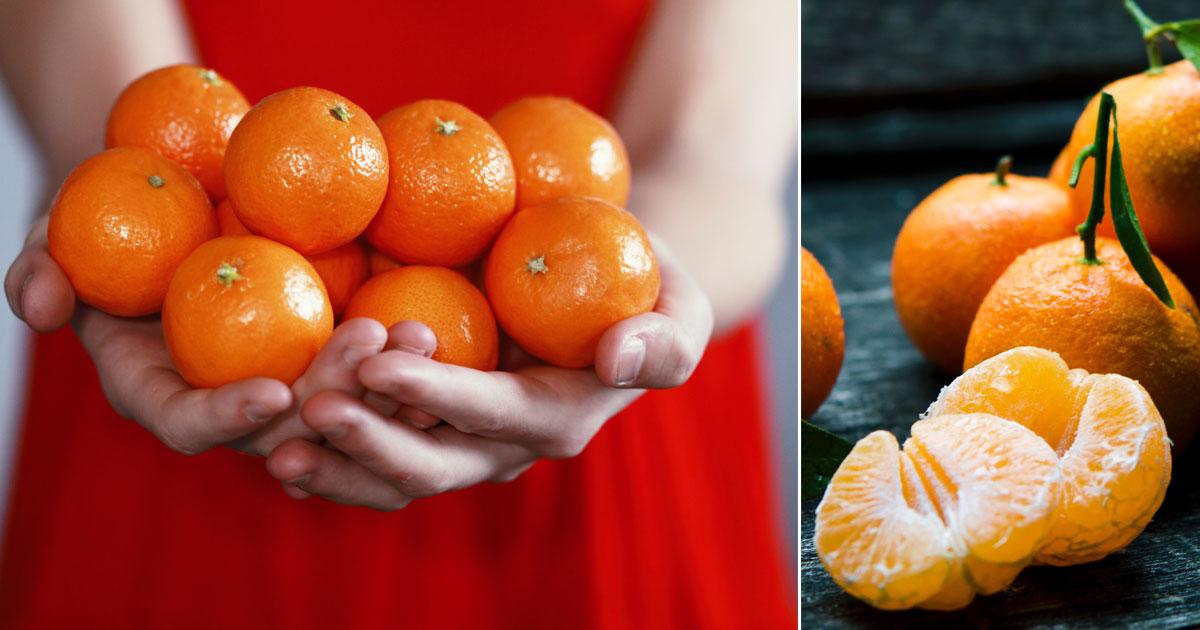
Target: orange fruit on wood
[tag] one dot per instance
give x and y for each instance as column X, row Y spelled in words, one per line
column 1100, row 318
column 958, row 511
column 1160, row 148
column 121, row 223
column 562, row 149
column 1110, row 439
column 185, row 113
column 562, row 273
column 308, row 168
column 955, row 244
column 342, row 269
column 456, row 312
column 245, row 306
column 451, row 185
column 822, row 334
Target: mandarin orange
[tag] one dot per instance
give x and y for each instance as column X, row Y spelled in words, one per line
column 121, row 223
column 822, row 334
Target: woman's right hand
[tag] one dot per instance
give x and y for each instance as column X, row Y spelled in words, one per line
column 141, row 382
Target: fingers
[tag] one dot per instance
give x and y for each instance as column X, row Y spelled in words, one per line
column 412, row 337
column 38, row 291
column 191, row 421
column 305, row 468
column 335, row 368
column 661, row 349
column 416, row 463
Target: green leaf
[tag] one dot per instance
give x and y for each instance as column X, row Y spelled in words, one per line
column 1129, row 231
column 821, row 452
column 1186, row 35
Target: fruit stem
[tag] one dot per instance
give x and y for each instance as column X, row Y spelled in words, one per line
column 227, row 274
column 1002, row 168
column 340, row 112
column 156, row 181
column 1150, row 33
column 537, row 265
column 210, row 76
column 447, row 127
column 1099, row 153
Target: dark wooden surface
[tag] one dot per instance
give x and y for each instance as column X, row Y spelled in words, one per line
column 850, row 225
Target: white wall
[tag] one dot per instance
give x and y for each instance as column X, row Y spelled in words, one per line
column 19, row 188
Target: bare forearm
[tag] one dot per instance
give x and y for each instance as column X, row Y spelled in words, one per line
column 65, row 62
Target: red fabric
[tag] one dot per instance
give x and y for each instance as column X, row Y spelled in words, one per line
column 667, row 520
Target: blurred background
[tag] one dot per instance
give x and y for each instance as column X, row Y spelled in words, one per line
column 20, row 194
column 896, row 99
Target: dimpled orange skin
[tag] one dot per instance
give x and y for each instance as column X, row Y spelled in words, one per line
column 562, row 149
column 956, row 243
column 118, row 237
column 822, row 334
column 456, row 312
column 268, row 321
column 308, row 168
column 1159, row 128
column 560, row 274
column 1100, row 318
column 186, row 113
column 451, row 186
column 342, row 269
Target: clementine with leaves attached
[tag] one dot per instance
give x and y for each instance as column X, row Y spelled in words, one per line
column 308, row 168
column 245, row 306
column 822, row 334
column 562, row 149
column 121, row 223
column 562, row 273
column 442, row 299
column 185, row 113
column 956, row 243
column 451, row 185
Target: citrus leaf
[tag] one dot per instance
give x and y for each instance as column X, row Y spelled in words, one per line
column 1186, row 35
column 1129, row 231
column 821, row 452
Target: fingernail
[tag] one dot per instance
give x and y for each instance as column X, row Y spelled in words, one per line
column 302, row 479
column 257, row 415
column 353, row 355
column 629, row 361
column 413, row 350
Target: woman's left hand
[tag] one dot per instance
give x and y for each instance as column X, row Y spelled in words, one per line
column 387, row 448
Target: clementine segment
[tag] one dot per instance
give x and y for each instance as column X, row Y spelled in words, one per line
column 562, row 149
column 451, row 185
column 956, row 243
column 121, row 223
column 822, row 334
column 1100, row 318
column 1110, row 439
column 308, row 168
column 456, row 312
column 185, row 113
column 562, row 273
column 245, row 306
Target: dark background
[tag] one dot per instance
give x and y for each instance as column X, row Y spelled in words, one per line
column 897, row 97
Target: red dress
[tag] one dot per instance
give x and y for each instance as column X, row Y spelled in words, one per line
column 667, row 520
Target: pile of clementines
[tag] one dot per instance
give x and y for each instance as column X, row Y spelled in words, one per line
column 430, row 213
column 1077, row 353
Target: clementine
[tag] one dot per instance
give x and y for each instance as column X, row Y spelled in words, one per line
column 308, row 168
column 562, row 273
column 562, row 149
column 451, row 185
column 186, row 113
column 245, row 306
column 822, row 334
column 121, row 223
column 456, row 312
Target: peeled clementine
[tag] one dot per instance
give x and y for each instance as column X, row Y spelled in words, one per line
column 451, row 185
column 308, row 168
column 185, row 113
column 245, row 306
column 121, row 223
column 456, row 312
column 562, row 149
column 562, row 273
